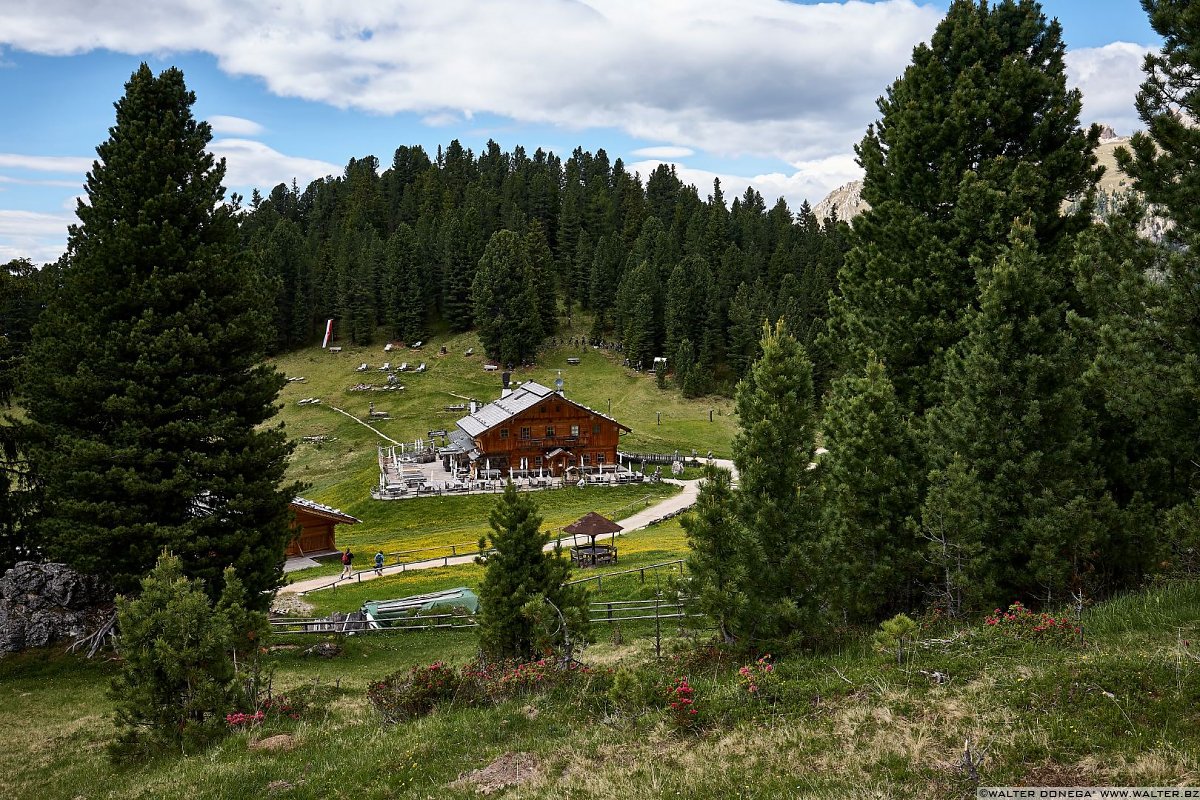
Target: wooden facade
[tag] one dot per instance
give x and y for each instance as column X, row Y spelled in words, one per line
column 535, row 429
column 313, row 527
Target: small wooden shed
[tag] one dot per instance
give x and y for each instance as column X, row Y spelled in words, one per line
column 313, row 527
column 593, row 525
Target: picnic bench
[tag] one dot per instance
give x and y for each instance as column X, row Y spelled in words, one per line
column 574, row 362
column 470, row 351
column 335, row 349
column 490, row 367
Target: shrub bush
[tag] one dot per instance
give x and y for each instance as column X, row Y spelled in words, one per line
column 1021, row 624
column 409, row 694
column 685, row 715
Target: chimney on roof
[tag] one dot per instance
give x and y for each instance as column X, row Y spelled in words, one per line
column 506, row 380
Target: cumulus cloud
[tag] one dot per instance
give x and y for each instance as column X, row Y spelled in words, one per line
column 664, row 152
column 234, row 126
column 1109, row 77
column 249, row 163
column 766, row 77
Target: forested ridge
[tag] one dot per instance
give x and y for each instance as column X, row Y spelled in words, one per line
column 656, row 268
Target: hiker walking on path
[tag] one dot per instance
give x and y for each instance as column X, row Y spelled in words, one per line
column 347, row 562
column 378, row 562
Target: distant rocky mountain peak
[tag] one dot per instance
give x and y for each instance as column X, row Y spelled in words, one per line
column 846, row 201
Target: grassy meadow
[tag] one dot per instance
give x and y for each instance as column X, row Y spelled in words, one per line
column 1121, row 708
column 968, row 704
column 337, row 471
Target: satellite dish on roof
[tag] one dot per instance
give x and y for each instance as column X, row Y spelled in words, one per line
column 558, row 382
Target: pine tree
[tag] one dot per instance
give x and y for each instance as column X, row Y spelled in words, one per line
column 980, row 130
column 1165, row 167
column 505, row 301
column 639, row 314
column 405, row 299
column 717, row 560
column 871, row 500
column 541, row 271
column 176, row 680
column 519, row 573
column 21, row 290
column 150, row 394
column 1016, row 418
column 777, row 498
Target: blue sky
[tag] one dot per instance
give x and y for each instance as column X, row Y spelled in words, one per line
column 757, row 92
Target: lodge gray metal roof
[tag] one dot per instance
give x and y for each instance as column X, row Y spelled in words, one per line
column 491, row 415
column 523, row 397
column 461, row 444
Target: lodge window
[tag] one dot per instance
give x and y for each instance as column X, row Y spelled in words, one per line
column 574, row 430
column 524, row 433
column 586, row 459
column 549, row 431
column 504, row 433
column 599, row 458
column 537, row 462
column 596, row 428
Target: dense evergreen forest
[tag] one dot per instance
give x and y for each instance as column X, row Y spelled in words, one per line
column 656, row 268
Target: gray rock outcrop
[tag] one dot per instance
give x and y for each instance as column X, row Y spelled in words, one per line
column 44, row 604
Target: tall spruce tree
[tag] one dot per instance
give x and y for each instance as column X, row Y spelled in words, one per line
column 21, row 290
column 1016, row 419
column 146, row 388
column 871, row 497
column 519, row 576
column 717, row 552
column 506, row 308
column 777, row 499
column 980, row 130
column 1165, row 167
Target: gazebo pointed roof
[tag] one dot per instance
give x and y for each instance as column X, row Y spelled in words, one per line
column 593, row 525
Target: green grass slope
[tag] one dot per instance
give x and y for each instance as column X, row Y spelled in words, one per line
column 341, row 471
column 1123, row 709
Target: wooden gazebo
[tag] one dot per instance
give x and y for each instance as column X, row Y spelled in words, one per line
column 593, row 525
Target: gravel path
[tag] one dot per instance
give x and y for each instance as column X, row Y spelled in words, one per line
column 669, row 506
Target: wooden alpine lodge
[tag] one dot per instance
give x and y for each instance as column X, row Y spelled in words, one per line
column 532, row 431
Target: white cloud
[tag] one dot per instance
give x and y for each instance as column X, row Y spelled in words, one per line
column 234, row 126
column 666, row 151
column 811, row 181
column 39, row 182
column 253, row 164
column 33, row 235
column 45, row 163
column 766, row 77
column 1109, row 77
